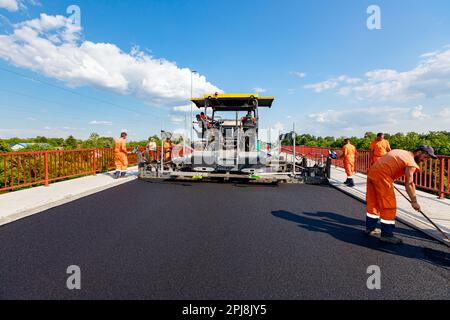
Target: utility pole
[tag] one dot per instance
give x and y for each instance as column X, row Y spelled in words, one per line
column 294, row 160
column 192, row 107
column 185, row 136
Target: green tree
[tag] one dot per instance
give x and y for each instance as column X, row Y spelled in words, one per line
column 70, row 143
column 56, row 142
column 4, row 146
column 40, row 139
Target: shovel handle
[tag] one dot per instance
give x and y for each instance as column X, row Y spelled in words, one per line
column 426, row 217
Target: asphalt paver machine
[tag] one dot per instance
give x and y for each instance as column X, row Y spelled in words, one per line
column 228, row 147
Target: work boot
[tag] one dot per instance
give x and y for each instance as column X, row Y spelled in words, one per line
column 374, row 232
column 123, row 174
column 391, row 239
column 346, row 181
column 116, row 175
column 351, row 183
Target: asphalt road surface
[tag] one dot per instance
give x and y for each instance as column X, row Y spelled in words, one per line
column 146, row 240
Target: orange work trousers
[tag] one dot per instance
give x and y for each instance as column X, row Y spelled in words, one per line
column 121, row 161
column 349, row 167
column 168, row 155
column 380, row 198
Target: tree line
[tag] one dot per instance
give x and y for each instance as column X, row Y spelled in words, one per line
column 95, row 141
column 439, row 140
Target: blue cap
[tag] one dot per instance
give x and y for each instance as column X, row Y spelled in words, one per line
column 428, row 150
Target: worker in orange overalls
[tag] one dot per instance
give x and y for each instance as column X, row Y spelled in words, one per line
column 121, row 155
column 378, row 148
column 380, row 196
column 349, row 154
column 168, row 146
column 152, row 149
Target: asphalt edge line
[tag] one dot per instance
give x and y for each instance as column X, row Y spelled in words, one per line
column 403, row 217
column 67, row 199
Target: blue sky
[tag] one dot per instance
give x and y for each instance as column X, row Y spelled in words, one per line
column 330, row 74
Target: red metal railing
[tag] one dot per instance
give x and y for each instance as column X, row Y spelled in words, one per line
column 18, row 170
column 25, row 169
column 434, row 176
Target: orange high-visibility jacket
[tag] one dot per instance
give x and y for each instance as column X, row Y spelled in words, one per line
column 349, row 152
column 379, row 149
column 120, row 154
column 393, row 165
column 380, row 193
column 167, row 150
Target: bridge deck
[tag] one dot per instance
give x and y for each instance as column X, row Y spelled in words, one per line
column 215, row 241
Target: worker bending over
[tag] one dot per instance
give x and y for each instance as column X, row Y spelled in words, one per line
column 349, row 155
column 378, row 148
column 121, row 155
column 380, row 195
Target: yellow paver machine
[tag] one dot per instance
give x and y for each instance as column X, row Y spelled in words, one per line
column 230, row 145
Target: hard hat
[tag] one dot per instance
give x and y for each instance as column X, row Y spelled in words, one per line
column 124, row 131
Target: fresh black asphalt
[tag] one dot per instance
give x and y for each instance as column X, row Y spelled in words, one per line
column 145, row 240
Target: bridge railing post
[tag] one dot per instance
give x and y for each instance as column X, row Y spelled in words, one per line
column 46, row 169
column 94, row 162
column 441, row 178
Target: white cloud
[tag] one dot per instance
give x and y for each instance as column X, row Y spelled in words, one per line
column 389, row 119
column 51, row 45
column 177, row 119
column 103, row 123
column 322, row 86
column 16, row 5
column 429, row 79
column 10, row 5
column 279, row 126
column 259, row 90
column 444, row 113
column 418, row 114
column 180, row 132
column 332, row 83
column 348, row 80
column 298, row 74
column 186, row 108
column 362, row 117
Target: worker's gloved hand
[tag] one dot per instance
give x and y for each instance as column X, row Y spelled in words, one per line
column 415, row 205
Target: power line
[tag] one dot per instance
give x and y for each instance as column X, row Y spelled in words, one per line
column 74, row 92
column 35, row 97
column 26, row 111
